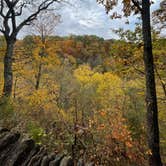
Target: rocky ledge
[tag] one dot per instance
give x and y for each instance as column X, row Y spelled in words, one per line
column 16, row 151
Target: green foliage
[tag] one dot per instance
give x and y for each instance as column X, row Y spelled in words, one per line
column 6, row 108
column 7, row 113
column 35, row 131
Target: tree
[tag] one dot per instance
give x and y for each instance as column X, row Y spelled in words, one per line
column 159, row 16
column 44, row 26
column 143, row 7
column 2, row 50
column 10, row 13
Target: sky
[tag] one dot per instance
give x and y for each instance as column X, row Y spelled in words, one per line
column 88, row 17
column 81, row 17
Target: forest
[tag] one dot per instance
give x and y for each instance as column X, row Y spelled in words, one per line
column 101, row 101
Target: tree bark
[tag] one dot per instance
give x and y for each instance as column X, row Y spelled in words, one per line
column 151, row 98
column 38, row 76
column 8, row 72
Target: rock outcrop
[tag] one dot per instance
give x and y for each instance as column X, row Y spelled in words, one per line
column 15, row 151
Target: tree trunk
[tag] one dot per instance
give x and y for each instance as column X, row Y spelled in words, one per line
column 151, row 98
column 8, row 72
column 38, row 76
column 15, row 87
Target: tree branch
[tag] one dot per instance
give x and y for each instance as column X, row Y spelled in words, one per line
column 19, row 13
column 137, row 4
column 6, row 24
column 43, row 6
column 140, row 71
column 161, row 81
column 1, row 8
column 2, row 31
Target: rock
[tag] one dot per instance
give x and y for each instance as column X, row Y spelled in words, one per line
column 21, row 152
column 7, row 152
column 33, row 152
column 67, row 161
column 56, row 161
column 89, row 164
column 2, row 130
column 80, row 162
column 8, row 139
column 47, row 159
column 7, row 144
column 51, row 157
column 37, row 158
column 15, row 152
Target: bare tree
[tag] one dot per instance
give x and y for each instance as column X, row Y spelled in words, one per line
column 11, row 12
column 44, row 26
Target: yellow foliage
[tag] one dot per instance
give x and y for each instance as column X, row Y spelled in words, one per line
column 41, row 100
column 107, row 86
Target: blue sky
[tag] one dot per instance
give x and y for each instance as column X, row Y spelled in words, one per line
column 88, row 17
column 82, row 17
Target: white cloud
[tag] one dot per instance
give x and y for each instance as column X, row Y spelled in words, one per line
column 87, row 17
